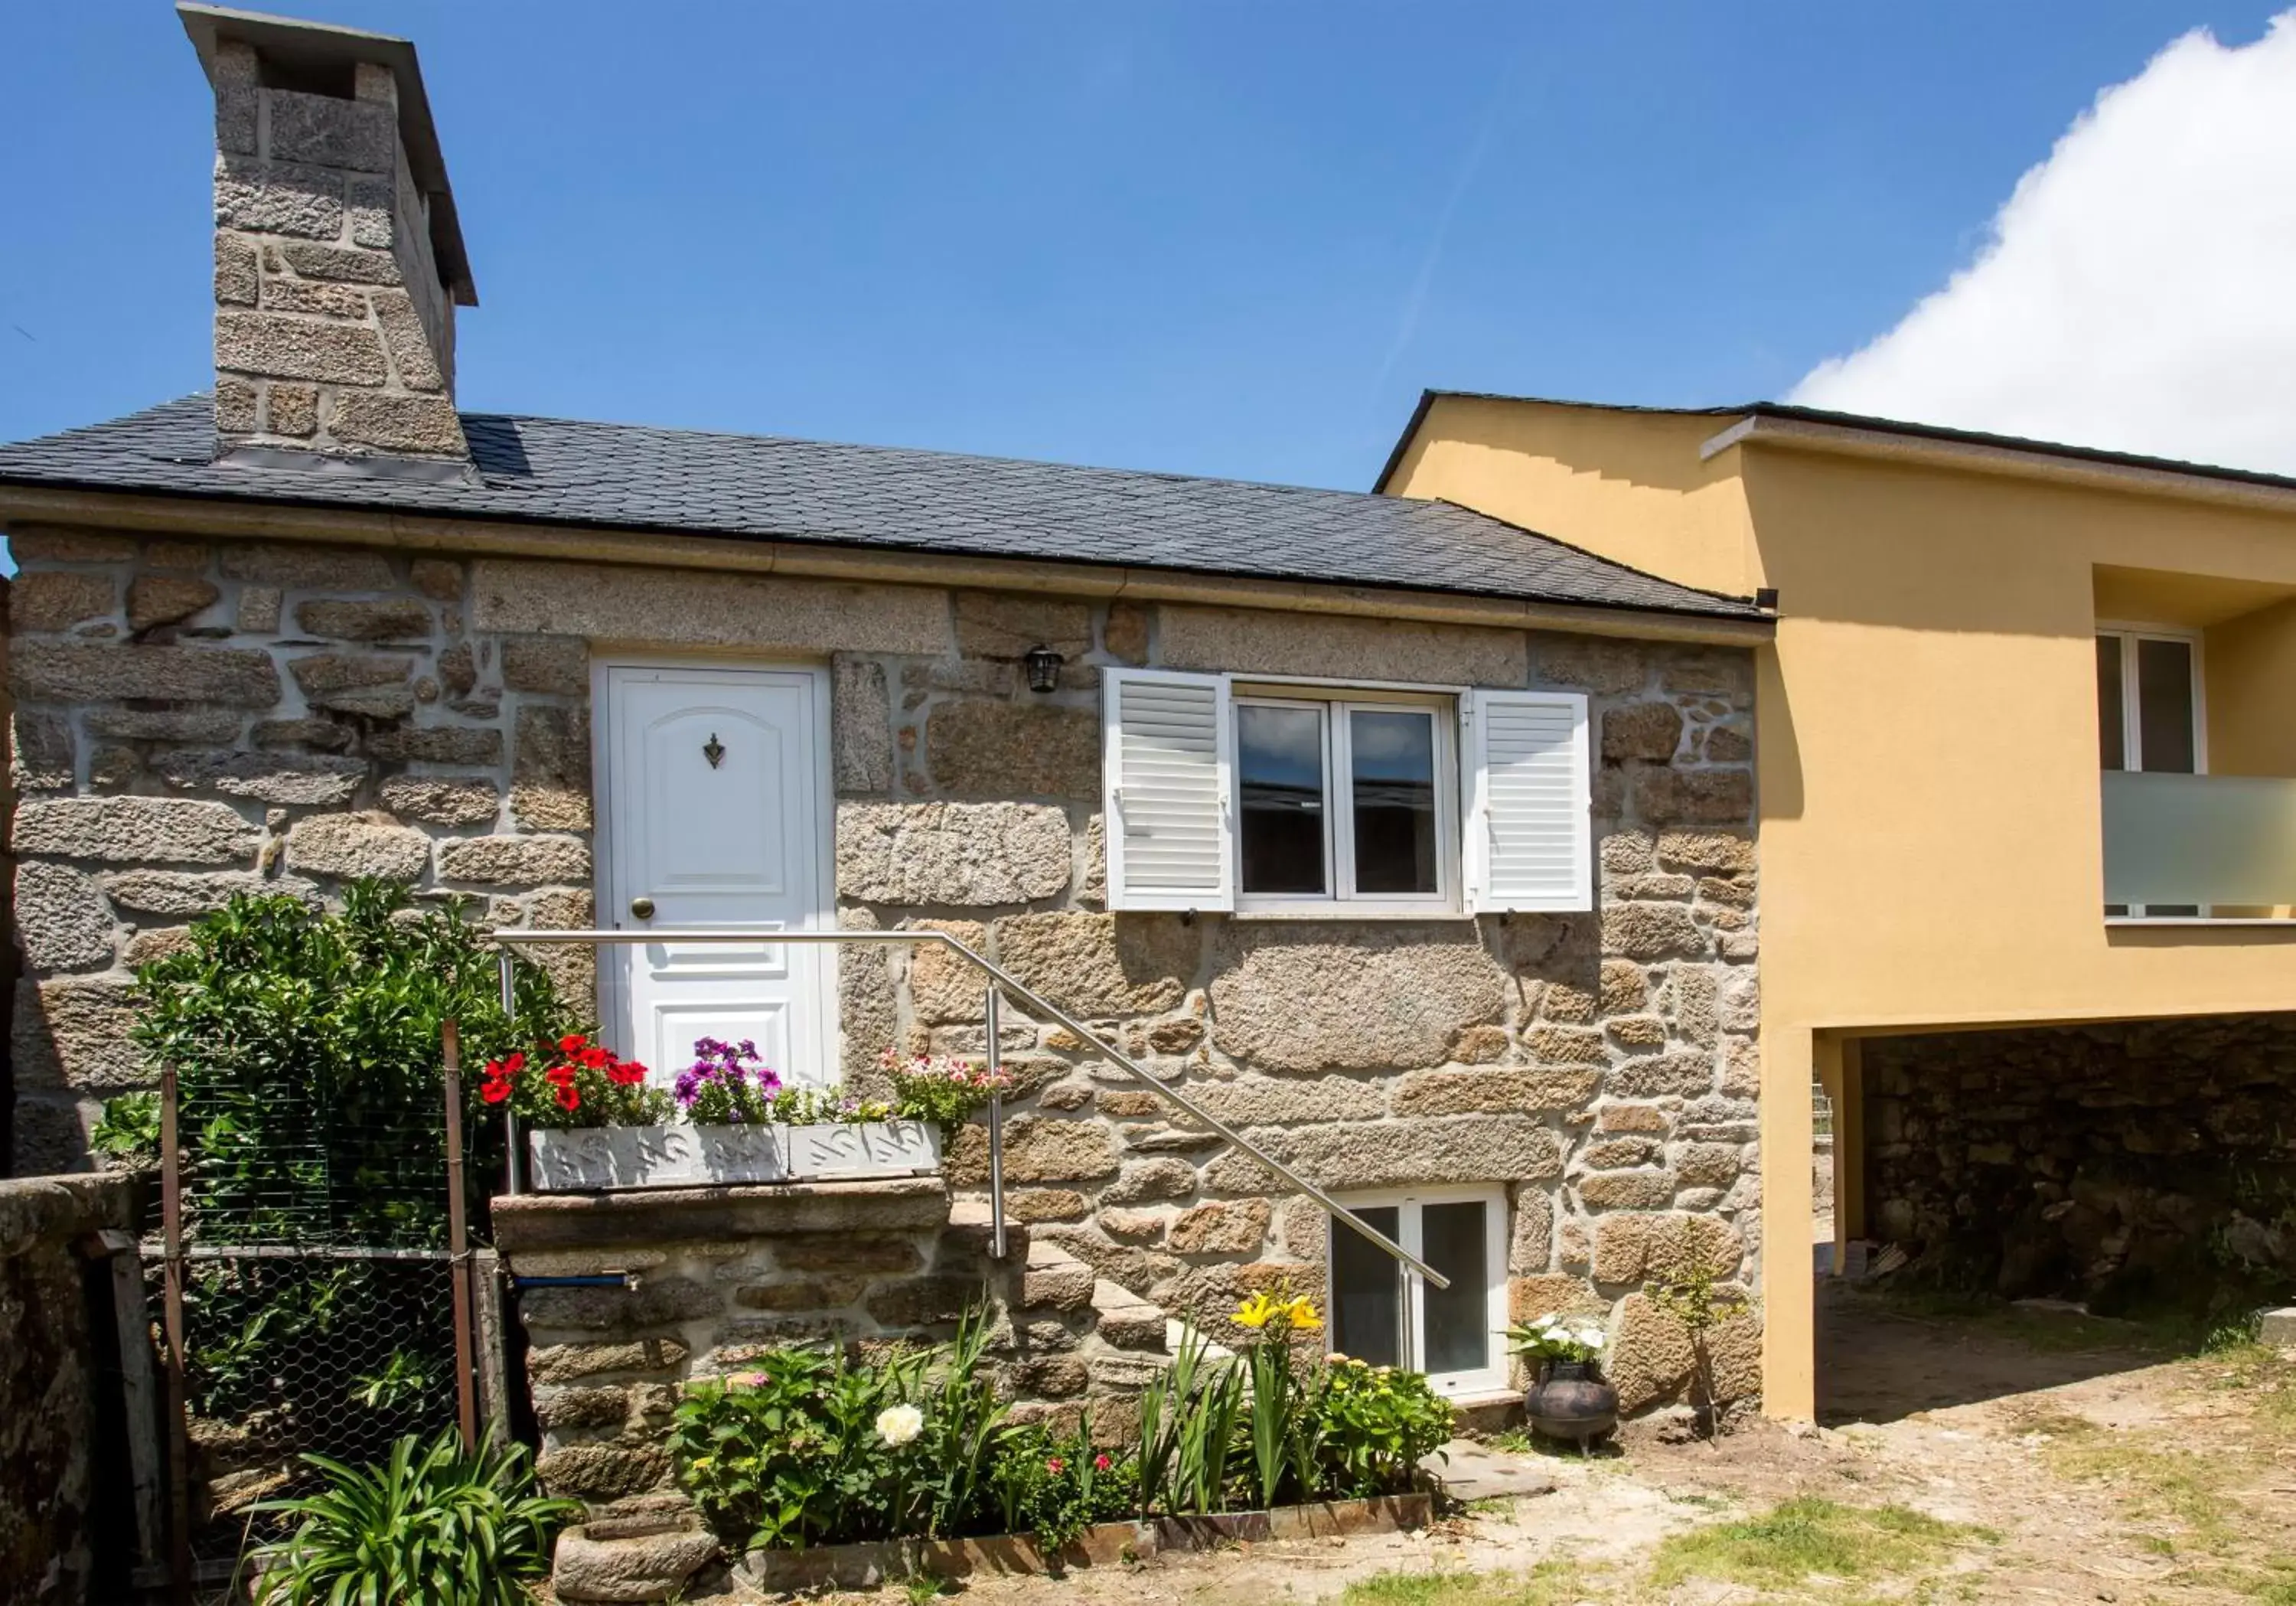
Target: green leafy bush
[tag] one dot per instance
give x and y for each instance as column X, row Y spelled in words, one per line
column 433, row 1526
column 129, row 1131
column 307, row 1055
column 812, row 1447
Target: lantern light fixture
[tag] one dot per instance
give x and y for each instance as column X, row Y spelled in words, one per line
column 1043, row 667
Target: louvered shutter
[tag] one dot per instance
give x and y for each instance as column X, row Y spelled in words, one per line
column 1165, row 768
column 1528, row 788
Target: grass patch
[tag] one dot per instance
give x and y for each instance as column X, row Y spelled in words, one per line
column 2187, row 1488
column 1808, row 1537
column 1549, row 1584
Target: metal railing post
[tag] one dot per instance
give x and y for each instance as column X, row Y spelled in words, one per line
column 1044, row 1008
column 996, row 1129
column 511, row 1170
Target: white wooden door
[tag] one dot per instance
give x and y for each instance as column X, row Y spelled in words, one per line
column 718, row 815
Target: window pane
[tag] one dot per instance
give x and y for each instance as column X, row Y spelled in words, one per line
column 1280, row 780
column 1365, row 1288
column 2110, row 715
column 2164, row 706
column 1392, row 755
column 1454, row 1240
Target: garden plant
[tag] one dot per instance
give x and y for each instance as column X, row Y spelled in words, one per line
column 810, row 1447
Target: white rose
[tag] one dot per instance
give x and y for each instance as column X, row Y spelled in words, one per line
column 898, row 1424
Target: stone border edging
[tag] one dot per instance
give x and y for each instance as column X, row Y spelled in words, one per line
column 870, row 1565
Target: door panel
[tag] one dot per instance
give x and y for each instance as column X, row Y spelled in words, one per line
column 716, row 814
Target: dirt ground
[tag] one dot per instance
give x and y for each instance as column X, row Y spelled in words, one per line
column 2085, row 1464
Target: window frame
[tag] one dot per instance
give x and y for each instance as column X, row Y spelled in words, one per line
column 2132, row 741
column 1493, row 1378
column 1336, row 703
column 2129, row 635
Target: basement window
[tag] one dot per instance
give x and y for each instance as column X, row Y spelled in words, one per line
column 1456, row 1334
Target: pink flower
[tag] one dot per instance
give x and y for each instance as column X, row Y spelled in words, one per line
column 1054, row 1464
column 1100, row 1463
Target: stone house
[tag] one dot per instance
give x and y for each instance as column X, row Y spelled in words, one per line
column 1414, row 843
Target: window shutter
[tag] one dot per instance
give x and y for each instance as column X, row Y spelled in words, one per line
column 1165, row 767
column 1527, row 824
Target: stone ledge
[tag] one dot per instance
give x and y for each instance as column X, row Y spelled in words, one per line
column 654, row 1217
column 34, row 1208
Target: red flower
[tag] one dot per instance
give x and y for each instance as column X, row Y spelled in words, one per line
column 627, row 1073
column 571, row 1042
column 495, row 1092
column 595, row 1058
column 561, row 1075
column 1100, row 1463
column 569, row 1098
column 1053, row 1464
column 513, row 1064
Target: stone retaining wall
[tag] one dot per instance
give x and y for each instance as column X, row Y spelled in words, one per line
column 198, row 717
column 49, row 1383
column 2125, row 1162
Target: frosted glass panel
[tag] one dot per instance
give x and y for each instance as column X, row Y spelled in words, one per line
column 2193, row 839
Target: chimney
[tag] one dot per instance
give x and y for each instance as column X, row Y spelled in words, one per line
column 338, row 262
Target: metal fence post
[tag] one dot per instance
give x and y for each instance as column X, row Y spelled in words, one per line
column 996, row 1129
column 458, row 1238
column 179, row 1445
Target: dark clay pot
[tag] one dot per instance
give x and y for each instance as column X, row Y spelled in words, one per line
column 1570, row 1401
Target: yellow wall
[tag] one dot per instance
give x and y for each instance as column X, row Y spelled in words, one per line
column 1638, row 495
column 1927, row 740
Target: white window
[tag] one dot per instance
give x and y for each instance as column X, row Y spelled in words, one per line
column 1274, row 798
column 1342, row 801
column 1394, row 1318
column 2151, row 715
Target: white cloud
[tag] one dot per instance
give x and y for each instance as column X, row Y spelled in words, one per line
column 2138, row 290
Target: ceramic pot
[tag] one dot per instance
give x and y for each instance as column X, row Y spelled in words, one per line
column 1569, row 1400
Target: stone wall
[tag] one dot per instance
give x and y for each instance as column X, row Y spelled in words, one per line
column 48, row 1383
column 197, row 718
column 719, row 1274
column 2127, row 1162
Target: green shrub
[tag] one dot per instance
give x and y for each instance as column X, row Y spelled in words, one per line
column 307, row 1055
column 433, row 1526
column 810, row 1448
column 1054, row 1486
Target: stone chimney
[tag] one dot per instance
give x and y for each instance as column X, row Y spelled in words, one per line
column 338, row 262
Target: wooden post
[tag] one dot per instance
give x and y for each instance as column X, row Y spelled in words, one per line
column 458, row 1244
column 179, row 1450
column 139, row 1391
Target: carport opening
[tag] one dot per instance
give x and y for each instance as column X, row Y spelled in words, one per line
column 2033, row 1205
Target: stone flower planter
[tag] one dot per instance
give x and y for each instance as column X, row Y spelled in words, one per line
column 604, row 1159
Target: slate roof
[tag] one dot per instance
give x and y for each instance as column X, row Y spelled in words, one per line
column 692, row 482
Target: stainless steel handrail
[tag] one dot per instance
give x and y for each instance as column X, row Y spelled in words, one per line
column 1037, row 1001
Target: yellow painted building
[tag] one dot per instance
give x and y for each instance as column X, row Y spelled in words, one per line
column 1971, row 631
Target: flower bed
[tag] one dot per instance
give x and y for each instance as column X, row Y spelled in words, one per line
column 855, row 1466
column 599, row 1122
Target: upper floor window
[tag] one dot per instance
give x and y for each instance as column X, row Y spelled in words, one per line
column 1270, row 797
column 2149, row 717
column 1344, row 801
column 2148, row 701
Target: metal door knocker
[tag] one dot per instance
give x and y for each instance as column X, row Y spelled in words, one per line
column 714, row 750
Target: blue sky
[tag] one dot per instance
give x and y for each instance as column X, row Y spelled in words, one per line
column 1219, row 238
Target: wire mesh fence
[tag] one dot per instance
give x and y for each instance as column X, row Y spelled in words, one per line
column 317, row 1287
column 297, row 1351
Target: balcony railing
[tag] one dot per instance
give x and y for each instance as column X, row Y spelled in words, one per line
column 2217, row 845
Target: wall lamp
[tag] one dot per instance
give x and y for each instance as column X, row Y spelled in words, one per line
column 1043, row 667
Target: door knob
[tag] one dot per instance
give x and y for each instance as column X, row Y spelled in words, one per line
column 642, row 907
